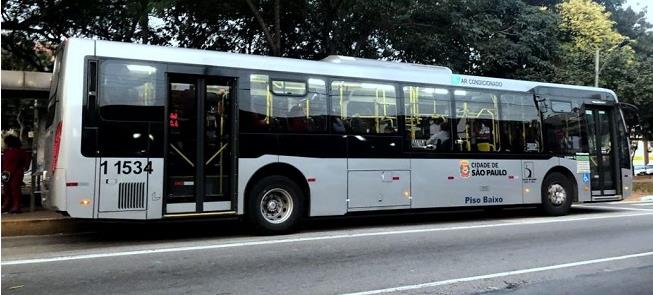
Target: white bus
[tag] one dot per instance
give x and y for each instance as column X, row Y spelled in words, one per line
column 146, row 132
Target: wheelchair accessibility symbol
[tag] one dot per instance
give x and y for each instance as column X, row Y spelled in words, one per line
column 586, row 177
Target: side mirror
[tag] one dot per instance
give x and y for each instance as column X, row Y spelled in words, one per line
column 633, row 122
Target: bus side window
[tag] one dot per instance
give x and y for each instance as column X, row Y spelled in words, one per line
column 428, row 118
column 562, row 123
column 284, row 106
column 520, row 124
column 364, row 108
column 477, row 123
column 130, row 113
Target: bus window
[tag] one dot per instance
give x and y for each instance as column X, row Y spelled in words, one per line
column 131, row 91
column 289, row 88
column 428, row 118
column 562, row 122
column 520, row 124
column 624, row 144
column 284, row 106
column 364, row 108
column 477, row 121
column 129, row 120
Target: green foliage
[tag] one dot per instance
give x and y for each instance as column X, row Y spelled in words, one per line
column 587, row 25
column 546, row 40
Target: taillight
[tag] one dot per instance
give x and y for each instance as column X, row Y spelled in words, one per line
column 55, row 147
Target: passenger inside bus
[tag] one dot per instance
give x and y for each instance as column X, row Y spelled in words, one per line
column 388, row 126
column 439, row 138
column 358, row 125
column 297, row 121
column 337, row 124
column 482, row 136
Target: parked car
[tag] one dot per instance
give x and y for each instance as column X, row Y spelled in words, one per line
column 639, row 170
column 649, row 169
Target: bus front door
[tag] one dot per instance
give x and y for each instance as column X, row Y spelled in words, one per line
column 601, row 142
column 198, row 152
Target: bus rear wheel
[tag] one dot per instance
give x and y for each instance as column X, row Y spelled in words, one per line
column 557, row 194
column 275, row 205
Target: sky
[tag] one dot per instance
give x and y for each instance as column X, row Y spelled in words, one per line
column 639, row 5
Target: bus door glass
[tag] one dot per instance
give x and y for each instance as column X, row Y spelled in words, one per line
column 198, row 152
column 601, row 150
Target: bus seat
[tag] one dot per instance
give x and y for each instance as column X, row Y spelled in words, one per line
column 485, row 147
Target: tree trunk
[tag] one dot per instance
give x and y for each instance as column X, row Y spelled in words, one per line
column 266, row 31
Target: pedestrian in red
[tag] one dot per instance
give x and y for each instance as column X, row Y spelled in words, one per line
column 14, row 162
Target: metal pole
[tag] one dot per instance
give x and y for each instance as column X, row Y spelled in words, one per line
column 596, row 69
column 35, row 138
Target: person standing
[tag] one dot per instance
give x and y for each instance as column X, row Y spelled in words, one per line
column 14, row 162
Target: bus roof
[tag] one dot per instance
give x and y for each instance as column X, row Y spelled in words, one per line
column 338, row 66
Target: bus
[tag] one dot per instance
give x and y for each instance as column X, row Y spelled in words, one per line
column 146, row 132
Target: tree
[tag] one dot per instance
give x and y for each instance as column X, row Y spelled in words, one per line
column 506, row 38
column 586, row 27
column 33, row 28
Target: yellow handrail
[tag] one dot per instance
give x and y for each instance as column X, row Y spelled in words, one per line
column 268, row 104
column 343, row 113
column 468, row 136
column 414, row 116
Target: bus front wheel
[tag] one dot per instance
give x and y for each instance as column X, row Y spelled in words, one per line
column 275, row 205
column 557, row 194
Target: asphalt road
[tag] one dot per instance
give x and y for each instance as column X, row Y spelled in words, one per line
column 598, row 249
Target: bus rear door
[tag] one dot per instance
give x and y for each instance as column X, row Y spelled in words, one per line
column 198, row 156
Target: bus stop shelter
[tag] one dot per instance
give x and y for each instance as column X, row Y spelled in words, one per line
column 24, row 101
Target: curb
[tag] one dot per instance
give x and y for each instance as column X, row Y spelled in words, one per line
column 43, row 226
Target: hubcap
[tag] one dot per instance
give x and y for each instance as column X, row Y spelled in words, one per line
column 276, row 205
column 557, row 194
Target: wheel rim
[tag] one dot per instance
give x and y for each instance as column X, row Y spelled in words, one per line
column 276, row 205
column 557, row 194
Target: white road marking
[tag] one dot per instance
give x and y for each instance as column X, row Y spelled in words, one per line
column 621, row 202
column 643, row 204
column 501, row 274
column 612, row 208
column 528, row 221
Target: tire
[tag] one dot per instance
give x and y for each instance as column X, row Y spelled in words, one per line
column 557, row 194
column 275, row 205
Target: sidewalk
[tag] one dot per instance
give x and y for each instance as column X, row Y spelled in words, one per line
column 39, row 222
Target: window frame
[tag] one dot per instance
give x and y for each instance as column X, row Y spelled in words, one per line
column 304, row 82
column 99, row 94
column 571, row 105
column 540, row 129
column 582, row 127
column 398, row 104
column 406, row 133
column 453, row 152
column 289, row 77
column 92, row 119
column 495, row 93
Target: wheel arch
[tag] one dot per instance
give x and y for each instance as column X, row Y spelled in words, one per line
column 283, row 169
column 567, row 173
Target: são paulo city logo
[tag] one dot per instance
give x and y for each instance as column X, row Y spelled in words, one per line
column 464, row 168
column 468, row 169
